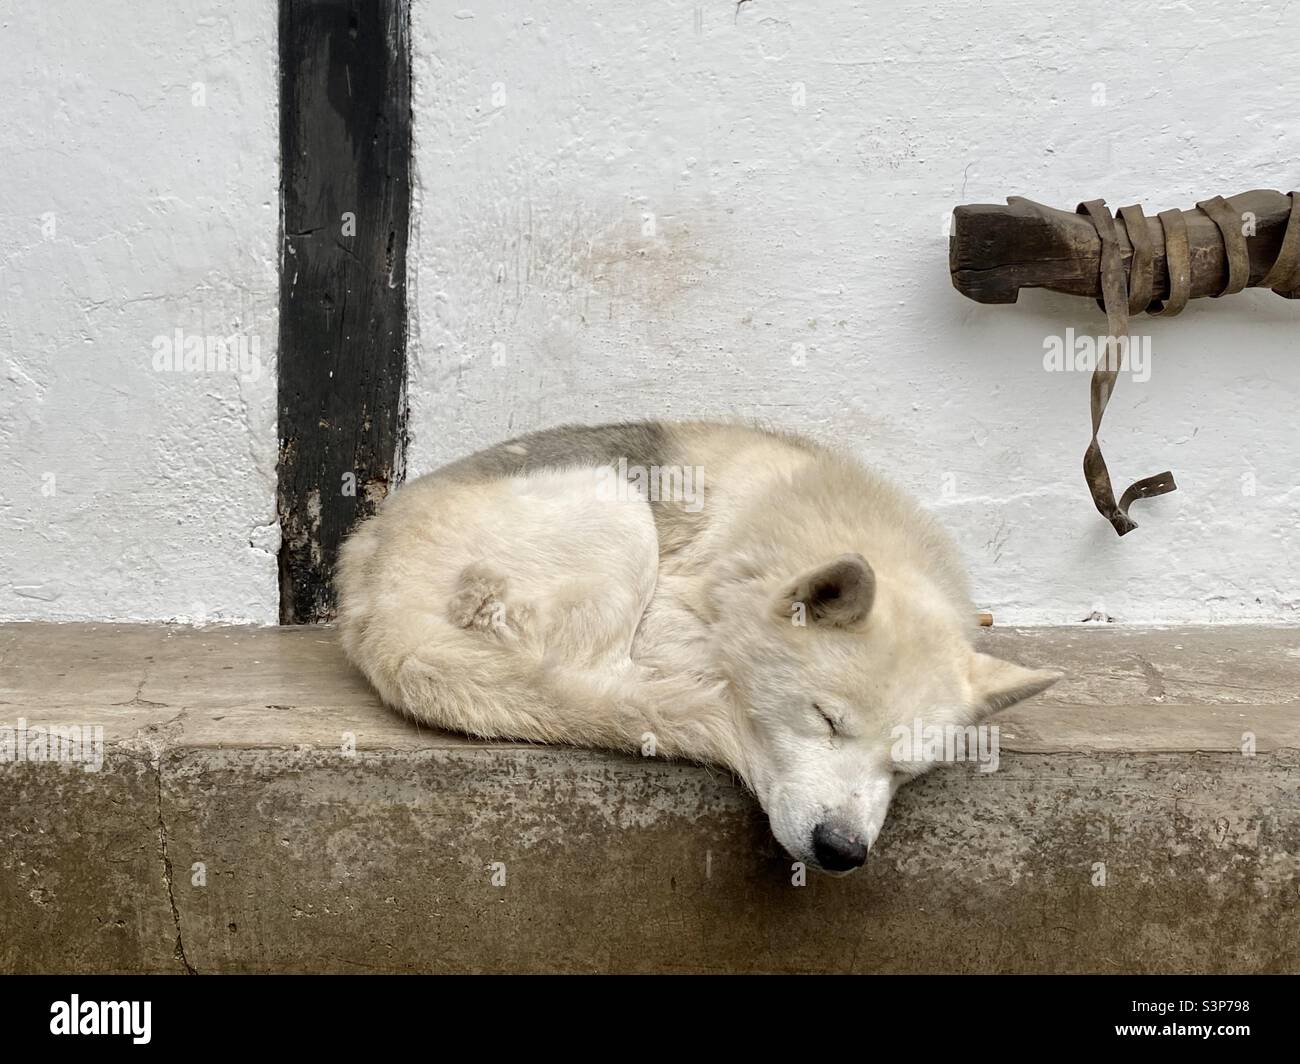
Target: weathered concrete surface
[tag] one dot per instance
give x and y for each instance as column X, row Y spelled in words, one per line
column 231, row 748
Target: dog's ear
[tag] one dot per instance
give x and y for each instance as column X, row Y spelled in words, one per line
column 838, row 593
column 997, row 684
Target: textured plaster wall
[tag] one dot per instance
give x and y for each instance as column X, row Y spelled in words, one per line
column 678, row 209
column 139, row 156
column 709, row 208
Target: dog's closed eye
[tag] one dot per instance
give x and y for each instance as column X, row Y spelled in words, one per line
column 831, row 721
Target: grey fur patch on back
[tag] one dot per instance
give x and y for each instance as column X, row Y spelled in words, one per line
column 643, row 443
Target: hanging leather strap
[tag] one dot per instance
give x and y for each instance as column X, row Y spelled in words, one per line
column 1115, row 299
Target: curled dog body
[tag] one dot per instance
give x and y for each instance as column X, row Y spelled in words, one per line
column 715, row 592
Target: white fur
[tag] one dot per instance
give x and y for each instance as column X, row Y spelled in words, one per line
column 542, row 607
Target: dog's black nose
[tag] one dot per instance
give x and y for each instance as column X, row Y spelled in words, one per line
column 837, row 851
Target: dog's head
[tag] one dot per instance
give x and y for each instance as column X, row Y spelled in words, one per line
column 851, row 684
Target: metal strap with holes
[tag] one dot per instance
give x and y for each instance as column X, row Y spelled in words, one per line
column 1115, row 299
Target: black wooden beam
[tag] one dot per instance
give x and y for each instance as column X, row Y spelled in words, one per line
column 345, row 141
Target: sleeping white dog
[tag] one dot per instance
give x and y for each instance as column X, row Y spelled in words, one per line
column 715, row 592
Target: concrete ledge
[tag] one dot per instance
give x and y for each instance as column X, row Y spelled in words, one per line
column 230, row 748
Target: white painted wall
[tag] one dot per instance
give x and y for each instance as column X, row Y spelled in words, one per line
column 139, row 148
column 547, row 132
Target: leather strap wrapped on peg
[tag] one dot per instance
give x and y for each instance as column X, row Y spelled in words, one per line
column 1135, row 263
column 1234, row 243
column 1178, row 265
column 1284, row 276
column 1142, row 266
